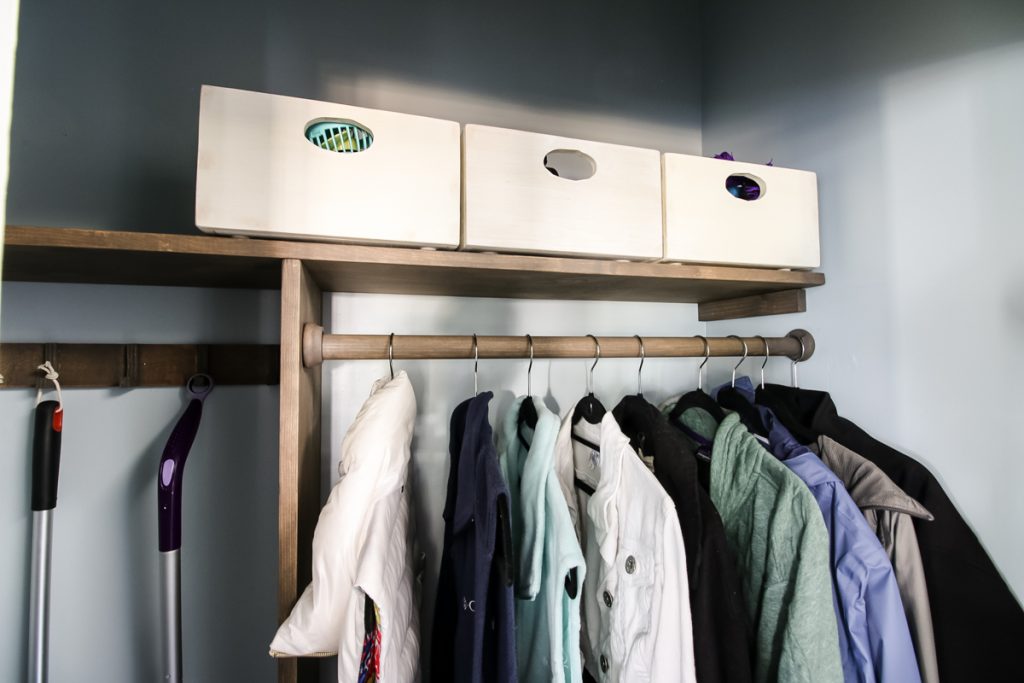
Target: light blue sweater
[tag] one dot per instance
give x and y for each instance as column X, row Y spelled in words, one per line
column 546, row 549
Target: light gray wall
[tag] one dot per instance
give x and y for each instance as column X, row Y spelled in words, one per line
column 104, row 135
column 911, row 114
column 104, row 606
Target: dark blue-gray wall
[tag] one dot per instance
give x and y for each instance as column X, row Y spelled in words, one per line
column 104, row 135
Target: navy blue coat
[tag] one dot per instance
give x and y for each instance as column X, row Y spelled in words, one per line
column 474, row 638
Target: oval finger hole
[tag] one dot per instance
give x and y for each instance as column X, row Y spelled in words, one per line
column 339, row 136
column 745, row 186
column 570, row 164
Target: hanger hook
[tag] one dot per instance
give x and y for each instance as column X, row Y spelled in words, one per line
column 794, row 377
column 597, row 357
column 700, row 368
column 529, row 368
column 745, row 352
column 767, row 353
column 391, row 354
column 476, row 365
column 640, row 370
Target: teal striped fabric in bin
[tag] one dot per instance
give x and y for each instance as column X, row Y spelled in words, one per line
column 337, row 136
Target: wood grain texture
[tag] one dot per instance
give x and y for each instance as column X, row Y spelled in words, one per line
column 418, row 347
column 404, row 189
column 139, row 365
column 705, row 223
column 511, row 202
column 299, row 474
column 97, row 256
column 772, row 303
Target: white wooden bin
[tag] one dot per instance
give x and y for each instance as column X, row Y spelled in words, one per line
column 512, row 202
column 258, row 174
column 705, row 223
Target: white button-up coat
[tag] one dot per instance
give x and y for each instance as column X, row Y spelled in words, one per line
column 636, row 605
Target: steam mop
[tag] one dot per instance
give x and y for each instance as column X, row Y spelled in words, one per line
column 169, row 492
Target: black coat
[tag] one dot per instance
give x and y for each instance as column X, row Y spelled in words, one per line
column 721, row 628
column 979, row 625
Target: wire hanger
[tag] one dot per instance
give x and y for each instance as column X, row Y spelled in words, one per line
column 597, row 357
column 700, row 368
column 745, row 351
column 529, row 368
column 767, row 353
column 640, row 370
column 391, row 354
column 476, row 366
column 794, row 377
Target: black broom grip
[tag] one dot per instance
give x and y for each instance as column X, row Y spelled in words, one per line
column 46, row 455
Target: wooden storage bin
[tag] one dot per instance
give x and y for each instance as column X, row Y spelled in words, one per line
column 259, row 175
column 705, row 223
column 512, row 202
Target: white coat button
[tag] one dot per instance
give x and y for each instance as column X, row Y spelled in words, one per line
column 630, row 564
column 604, row 664
column 607, row 599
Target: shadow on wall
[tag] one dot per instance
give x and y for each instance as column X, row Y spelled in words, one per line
column 117, row 99
column 909, row 113
column 750, row 53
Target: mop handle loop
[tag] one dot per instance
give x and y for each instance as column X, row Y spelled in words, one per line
column 171, row 472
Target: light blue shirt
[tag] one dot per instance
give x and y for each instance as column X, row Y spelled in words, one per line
column 874, row 636
column 546, row 550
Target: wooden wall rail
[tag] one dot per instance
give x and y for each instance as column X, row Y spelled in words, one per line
column 139, row 365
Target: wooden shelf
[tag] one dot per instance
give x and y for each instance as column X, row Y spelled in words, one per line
column 99, row 256
column 302, row 271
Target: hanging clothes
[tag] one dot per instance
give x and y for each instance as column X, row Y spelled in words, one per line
column 779, row 539
column 636, row 607
column 874, row 637
column 363, row 548
column 474, row 616
column 548, row 557
column 978, row 623
column 721, row 626
column 890, row 513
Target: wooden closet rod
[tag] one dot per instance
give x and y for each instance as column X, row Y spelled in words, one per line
column 317, row 347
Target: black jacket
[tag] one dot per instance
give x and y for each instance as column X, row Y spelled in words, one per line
column 721, row 628
column 979, row 625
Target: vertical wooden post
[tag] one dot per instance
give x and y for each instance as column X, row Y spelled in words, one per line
column 299, row 474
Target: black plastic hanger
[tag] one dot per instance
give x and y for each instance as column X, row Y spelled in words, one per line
column 730, row 398
column 698, row 398
column 527, row 410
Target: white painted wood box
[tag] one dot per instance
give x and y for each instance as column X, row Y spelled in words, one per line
column 705, row 223
column 259, row 175
column 513, row 202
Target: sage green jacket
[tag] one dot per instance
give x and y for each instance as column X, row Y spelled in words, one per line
column 776, row 531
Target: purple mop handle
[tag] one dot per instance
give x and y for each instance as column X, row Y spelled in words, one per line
column 171, row 473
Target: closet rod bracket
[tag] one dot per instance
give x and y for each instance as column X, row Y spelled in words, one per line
column 806, row 340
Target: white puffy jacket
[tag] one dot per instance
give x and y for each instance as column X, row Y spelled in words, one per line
column 362, row 547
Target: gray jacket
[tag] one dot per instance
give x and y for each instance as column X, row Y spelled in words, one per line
column 889, row 512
